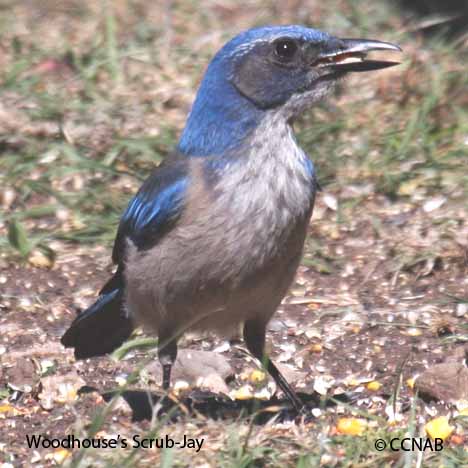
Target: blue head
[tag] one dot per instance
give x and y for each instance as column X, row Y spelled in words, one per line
column 275, row 69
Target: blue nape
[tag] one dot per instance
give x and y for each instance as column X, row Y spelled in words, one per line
column 220, row 119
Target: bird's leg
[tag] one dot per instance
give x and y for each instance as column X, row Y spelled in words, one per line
column 254, row 337
column 167, row 354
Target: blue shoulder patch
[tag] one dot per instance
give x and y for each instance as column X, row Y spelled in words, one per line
column 154, row 210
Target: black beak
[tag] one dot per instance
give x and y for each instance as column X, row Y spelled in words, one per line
column 349, row 55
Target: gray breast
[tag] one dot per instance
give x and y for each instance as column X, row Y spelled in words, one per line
column 266, row 194
column 238, row 242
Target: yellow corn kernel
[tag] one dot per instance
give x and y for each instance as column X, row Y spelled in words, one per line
column 410, row 383
column 438, row 428
column 243, row 393
column 374, row 386
column 351, row 426
column 257, row 376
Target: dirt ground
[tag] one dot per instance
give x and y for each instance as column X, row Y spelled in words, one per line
column 365, row 323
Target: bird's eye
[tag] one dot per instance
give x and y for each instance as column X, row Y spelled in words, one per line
column 285, row 48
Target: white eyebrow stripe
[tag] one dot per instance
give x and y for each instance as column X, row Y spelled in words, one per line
column 245, row 47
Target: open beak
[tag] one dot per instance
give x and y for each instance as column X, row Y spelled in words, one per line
column 349, row 55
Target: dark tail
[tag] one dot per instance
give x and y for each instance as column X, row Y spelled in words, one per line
column 101, row 328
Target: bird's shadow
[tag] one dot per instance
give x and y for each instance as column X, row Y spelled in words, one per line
column 207, row 404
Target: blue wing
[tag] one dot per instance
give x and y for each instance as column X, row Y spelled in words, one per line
column 154, row 210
